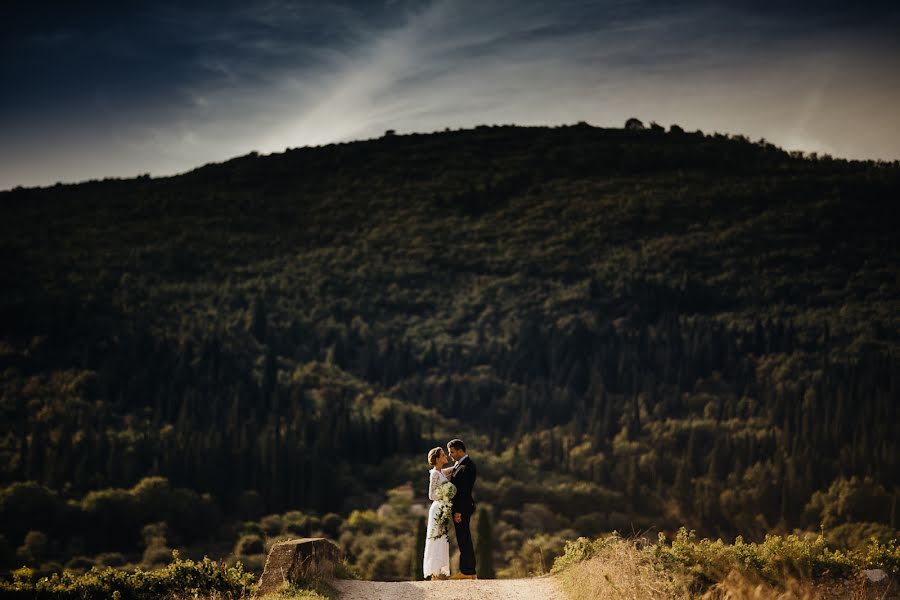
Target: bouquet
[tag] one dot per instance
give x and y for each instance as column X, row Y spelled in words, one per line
column 443, row 495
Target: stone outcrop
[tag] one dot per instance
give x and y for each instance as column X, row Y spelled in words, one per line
column 298, row 562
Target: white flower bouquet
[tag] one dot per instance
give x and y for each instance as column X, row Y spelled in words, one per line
column 443, row 496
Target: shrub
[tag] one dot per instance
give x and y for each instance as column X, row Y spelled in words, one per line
column 250, row 544
column 80, row 563
column 582, row 549
column 110, row 559
column 35, row 547
column 776, row 559
column 180, row 577
column 857, row 536
column 156, row 556
column 365, row 521
column 883, row 556
column 331, row 524
column 272, row 524
column 698, row 564
column 250, row 528
column 616, row 569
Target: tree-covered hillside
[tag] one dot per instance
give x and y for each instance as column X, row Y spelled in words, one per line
column 630, row 328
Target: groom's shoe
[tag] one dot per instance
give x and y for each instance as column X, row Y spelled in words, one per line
column 463, row 576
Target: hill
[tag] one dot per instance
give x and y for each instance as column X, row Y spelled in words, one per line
column 632, row 329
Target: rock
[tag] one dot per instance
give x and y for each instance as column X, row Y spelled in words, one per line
column 874, row 575
column 298, row 561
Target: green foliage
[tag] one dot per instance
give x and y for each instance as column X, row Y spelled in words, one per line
column 178, row 577
column 416, row 564
column 698, row 563
column 35, row 547
column 850, row 500
column 774, row 559
column 857, row 536
column 654, row 328
column 537, row 554
column 250, row 544
column 883, row 556
column 583, row 549
column 484, row 548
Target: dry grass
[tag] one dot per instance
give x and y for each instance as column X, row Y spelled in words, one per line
column 620, row 572
column 740, row 586
column 623, row 571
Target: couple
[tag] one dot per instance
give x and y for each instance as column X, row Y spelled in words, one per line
column 450, row 490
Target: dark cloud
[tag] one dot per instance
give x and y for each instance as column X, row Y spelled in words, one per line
column 117, row 88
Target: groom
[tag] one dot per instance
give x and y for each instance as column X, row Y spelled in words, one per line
column 463, row 477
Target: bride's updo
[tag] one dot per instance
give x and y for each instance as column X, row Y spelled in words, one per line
column 433, row 455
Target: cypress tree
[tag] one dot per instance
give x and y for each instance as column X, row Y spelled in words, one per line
column 484, row 551
column 418, row 554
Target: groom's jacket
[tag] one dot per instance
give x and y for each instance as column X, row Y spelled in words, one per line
column 463, row 477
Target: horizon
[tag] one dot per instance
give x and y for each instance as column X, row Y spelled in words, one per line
column 113, row 91
column 731, row 135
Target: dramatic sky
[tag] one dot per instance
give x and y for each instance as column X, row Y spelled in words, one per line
column 97, row 89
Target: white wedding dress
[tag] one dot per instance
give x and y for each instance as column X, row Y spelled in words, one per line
column 437, row 552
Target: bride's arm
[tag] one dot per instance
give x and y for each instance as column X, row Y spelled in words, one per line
column 446, row 471
column 432, row 485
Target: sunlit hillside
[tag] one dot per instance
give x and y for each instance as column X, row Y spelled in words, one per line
column 632, row 330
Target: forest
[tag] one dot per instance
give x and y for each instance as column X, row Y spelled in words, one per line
column 633, row 330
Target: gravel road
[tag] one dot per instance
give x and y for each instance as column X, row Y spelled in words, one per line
column 536, row 588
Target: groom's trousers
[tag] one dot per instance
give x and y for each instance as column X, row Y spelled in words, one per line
column 464, row 541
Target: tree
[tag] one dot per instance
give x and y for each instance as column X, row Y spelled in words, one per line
column 484, row 551
column 634, row 124
column 418, row 554
column 34, row 549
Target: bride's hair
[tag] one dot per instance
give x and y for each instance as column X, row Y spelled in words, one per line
column 433, row 455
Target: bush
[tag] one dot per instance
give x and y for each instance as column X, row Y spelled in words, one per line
column 250, row 528
column 857, row 536
column 27, row 505
column 296, row 529
column 182, row 577
column 850, row 500
column 156, row 556
column 110, row 559
column 616, row 569
column 883, row 556
column 34, row 549
column 537, row 555
column 331, row 524
column 701, row 563
column 774, row 560
column 80, row 563
column 272, row 524
column 582, row 549
column 365, row 521
column 250, row 544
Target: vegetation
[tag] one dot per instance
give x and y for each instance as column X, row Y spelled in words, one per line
column 630, row 328
column 613, row 567
column 484, row 548
column 179, row 577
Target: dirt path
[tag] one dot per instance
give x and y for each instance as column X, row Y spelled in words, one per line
column 537, row 588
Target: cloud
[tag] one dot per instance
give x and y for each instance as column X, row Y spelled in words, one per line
column 176, row 86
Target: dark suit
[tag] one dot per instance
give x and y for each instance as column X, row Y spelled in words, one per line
column 463, row 477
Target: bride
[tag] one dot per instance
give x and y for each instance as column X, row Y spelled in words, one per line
column 436, row 562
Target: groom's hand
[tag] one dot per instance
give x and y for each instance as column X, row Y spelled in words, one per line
column 457, row 517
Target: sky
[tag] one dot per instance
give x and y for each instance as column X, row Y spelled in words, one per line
column 118, row 89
